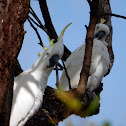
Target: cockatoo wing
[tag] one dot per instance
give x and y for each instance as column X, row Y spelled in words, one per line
column 23, row 100
column 99, row 64
column 73, row 65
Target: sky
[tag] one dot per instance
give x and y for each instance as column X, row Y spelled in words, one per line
column 113, row 96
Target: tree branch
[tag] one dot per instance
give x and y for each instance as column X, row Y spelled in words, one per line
column 67, row 75
column 115, row 15
column 48, row 22
column 49, row 26
column 39, row 37
column 88, row 49
column 37, row 19
column 57, row 76
column 58, row 111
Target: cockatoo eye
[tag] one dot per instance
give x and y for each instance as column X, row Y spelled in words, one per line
column 47, row 53
column 97, row 27
column 53, row 60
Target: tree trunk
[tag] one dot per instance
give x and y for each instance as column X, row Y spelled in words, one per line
column 13, row 14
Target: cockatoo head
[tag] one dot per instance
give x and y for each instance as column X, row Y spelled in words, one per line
column 51, row 55
column 101, row 31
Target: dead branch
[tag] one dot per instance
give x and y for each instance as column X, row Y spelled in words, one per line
column 41, row 43
column 115, row 15
column 34, row 22
column 38, row 20
column 35, row 16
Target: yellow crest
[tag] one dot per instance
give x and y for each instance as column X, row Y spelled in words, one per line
column 44, row 47
column 39, row 54
column 63, row 31
column 51, row 42
column 102, row 21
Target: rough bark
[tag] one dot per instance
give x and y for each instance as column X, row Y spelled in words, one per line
column 13, row 14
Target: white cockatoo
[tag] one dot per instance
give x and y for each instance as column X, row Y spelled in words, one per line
column 99, row 62
column 30, row 85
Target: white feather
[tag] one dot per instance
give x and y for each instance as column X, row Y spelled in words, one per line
column 99, row 63
column 30, row 85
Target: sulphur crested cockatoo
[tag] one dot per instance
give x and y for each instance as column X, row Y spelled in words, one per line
column 30, row 85
column 99, row 62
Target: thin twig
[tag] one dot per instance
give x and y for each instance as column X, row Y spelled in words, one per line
column 34, row 21
column 61, row 67
column 50, row 118
column 115, row 15
column 35, row 16
column 58, row 69
column 38, row 20
column 66, row 74
column 41, row 43
column 57, row 76
column 40, row 24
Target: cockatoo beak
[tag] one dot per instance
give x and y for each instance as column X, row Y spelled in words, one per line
column 99, row 35
column 53, row 60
